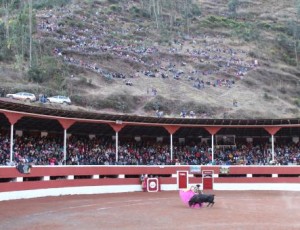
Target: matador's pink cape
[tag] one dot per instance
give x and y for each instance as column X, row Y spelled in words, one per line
column 186, row 195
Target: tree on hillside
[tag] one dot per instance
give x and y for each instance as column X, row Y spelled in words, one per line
column 15, row 43
column 30, row 31
column 296, row 31
column 156, row 12
column 233, row 7
column 187, row 14
column 171, row 14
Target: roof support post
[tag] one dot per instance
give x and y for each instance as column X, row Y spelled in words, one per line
column 13, row 119
column 11, row 143
column 117, row 128
column 272, row 131
column 171, row 129
column 212, row 130
column 65, row 123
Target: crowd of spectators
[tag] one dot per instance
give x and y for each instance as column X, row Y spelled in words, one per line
column 101, row 151
column 222, row 65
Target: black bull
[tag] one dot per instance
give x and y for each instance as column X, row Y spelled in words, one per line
column 202, row 198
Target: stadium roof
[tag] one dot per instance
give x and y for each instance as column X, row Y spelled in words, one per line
column 40, row 117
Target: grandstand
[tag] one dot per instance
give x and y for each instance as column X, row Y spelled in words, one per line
column 117, row 148
column 21, row 119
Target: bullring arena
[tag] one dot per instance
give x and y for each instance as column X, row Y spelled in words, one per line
column 163, row 210
column 114, row 196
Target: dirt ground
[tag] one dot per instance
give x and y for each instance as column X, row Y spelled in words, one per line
column 162, row 210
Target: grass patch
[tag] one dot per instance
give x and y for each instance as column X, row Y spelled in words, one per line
column 213, row 21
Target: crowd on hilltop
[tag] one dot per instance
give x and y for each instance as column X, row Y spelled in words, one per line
column 101, row 151
column 223, row 64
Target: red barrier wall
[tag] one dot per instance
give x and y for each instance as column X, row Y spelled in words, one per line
column 76, row 176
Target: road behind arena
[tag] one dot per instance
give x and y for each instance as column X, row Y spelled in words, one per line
column 163, row 210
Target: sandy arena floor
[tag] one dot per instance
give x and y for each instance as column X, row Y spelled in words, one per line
column 163, row 210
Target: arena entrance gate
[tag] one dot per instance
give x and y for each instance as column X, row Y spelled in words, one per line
column 207, row 179
column 182, row 179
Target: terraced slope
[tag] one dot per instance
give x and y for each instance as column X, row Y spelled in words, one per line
column 142, row 56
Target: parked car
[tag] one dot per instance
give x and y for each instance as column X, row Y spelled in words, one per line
column 24, row 96
column 59, row 99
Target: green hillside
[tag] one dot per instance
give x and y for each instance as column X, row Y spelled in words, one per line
column 219, row 59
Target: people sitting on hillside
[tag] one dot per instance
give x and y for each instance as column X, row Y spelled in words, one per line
column 128, row 82
column 183, row 113
column 159, row 113
column 192, row 114
column 235, row 103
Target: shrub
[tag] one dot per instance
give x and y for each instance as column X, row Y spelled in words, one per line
column 35, row 74
column 195, row 10
column 247, row 32
column 297, row 102
column 267, row 97
column 115, row 8
column 135, row 11
column 289, row 60
column 113, row 1
column 155, row 104
column 49, row 3
column 217, row 21
column 285, row 42
column 282, row 90
column 264, row 25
